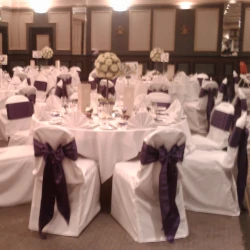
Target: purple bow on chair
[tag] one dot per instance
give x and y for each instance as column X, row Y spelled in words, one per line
column 62, row 92
column 28, row 81
column 54, row 182
column 211, row 93
column 223, row 89
column 167, row 183
column 95, row 83
column 221, row 120
column 239, row 139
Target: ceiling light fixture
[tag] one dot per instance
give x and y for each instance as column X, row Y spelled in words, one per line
column 232, row 1
column 185, row 5
column 121, row 5
column 40, row 6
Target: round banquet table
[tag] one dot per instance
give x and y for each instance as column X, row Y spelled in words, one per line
column 184, row 91
column 109, row 147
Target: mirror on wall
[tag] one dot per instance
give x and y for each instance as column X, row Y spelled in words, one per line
column 78, row 29
column 231, row 29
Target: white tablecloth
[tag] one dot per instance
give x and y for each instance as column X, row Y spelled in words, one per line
column 184, row 91
column 111, row 146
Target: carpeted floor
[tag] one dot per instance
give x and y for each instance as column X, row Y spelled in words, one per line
column 207, row 232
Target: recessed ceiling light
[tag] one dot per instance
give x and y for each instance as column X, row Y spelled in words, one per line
column 120, row 5
column 185, row 5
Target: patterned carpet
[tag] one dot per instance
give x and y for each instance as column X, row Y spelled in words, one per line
column 207, row 232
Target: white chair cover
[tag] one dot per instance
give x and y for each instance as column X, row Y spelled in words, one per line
column 196, row 111
column 175, row 110
column 41, row 95
column 135, row 192
column 221, row 92
column 83, row 185
column 9, row 127
column 208, row 180
column 16, row 165
column 217, row 137
column 160, row 99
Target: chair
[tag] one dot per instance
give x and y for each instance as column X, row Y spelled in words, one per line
column 41, row 84
column 222, row 92
column 66, row 85
column 136, row 204
column 198, row 112
column 78, row 199
column 16, row 179
column 208, row 179
column 161, row 99
column 17, row 115
column 219, row 130
column 29, row 92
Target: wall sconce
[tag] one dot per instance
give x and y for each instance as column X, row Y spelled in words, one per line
column 121, row 5
column 185, row 5
column 41, row 6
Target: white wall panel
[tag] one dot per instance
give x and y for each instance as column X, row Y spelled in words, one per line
column 42, row 41
column 206, row 29
column 164, row 29
column 17, row 28
column 246, row 34
column 139, row 30
column 76, row 37
column 63, row 32
column 101, row 30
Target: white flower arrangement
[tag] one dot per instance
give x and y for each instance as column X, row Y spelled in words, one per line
column 155, row 54
column 47, row 52
column 108, row 66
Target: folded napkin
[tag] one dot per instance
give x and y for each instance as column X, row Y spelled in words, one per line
column 175, row 110
column 141, row 120
column 53, row 103
column 41, row 113
column 75, row 119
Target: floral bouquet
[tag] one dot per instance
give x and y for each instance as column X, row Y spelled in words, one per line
column 108, row 66
column 155, row 54
column 47, row 52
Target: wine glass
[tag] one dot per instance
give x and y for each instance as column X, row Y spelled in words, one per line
column 124, row 110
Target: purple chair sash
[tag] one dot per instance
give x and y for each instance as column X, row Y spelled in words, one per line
column 241, row 105
column 236, row 80
column 163, row 104
column 211, row 93
column 28, row 81
column 239, row 139
column 167, row 183
column 54, row 183
column 200, row 80
column 221, row 120
column 32, row 98
column 223, row 88
column 19, row 110
column 62, row 92
column 95, row 83
column 40, row 85
column 103, row 91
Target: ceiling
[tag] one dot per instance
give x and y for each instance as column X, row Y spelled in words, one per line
column 66, row 3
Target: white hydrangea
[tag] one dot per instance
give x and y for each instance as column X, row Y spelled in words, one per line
column 114, row 68
column 47, row 52
column 108, row 66
column 155, row 54
column 108, row 62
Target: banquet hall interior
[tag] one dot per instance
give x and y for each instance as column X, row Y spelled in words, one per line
column 124, row 124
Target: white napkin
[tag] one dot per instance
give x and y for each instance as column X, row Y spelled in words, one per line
column 75, row 119
column 53, row 102
column 141, row 120
column 175, row 110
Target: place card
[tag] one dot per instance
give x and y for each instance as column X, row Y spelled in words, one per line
column 165, row 57
column 84, row 91
column 3, row 59
column 37, row 54
column 128, row 99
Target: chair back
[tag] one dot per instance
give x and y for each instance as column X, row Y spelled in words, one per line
column 41, row 84
column 221, row 123
column 57, row 136
column 161, row 99
column 29, row 92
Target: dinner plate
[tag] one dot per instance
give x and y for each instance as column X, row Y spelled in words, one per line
column 107, row 127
